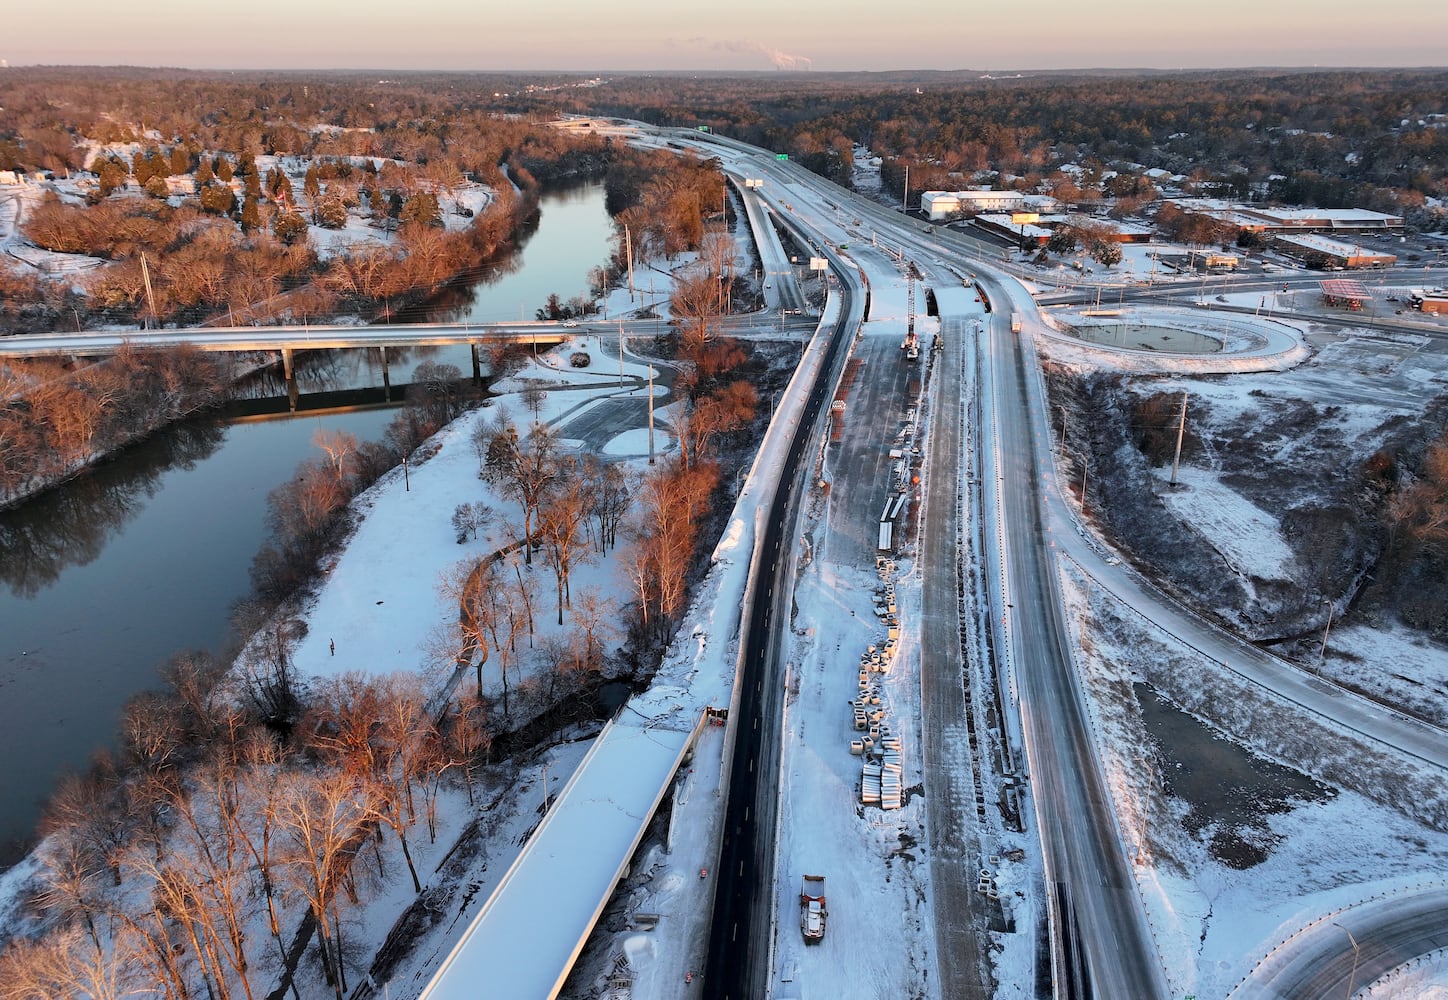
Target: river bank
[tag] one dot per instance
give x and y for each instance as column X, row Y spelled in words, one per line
column 146, row 554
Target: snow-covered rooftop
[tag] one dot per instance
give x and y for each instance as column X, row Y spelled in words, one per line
column 1003, row 219
column 1328, row 245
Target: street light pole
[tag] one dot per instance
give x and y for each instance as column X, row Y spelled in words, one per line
column 1322, row 652
column 1356, row 951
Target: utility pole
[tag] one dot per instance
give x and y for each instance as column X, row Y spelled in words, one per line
column 628, row 254
column 905, row 195
column 620, row 352
column 1322, row 651
column 1181, row 432
column 150, row 295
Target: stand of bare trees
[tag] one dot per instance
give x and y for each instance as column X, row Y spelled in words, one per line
column 154, row 861
column 55, row 418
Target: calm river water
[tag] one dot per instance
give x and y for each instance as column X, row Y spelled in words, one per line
column 105, row 578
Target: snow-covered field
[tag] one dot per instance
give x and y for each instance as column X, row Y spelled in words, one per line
column 386, row 620
column 1212, row 922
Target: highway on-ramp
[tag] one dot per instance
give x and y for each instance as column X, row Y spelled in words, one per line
column 1100, row 948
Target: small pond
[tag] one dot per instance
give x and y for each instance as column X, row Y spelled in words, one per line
column 1143, row 337
column 1228, row 789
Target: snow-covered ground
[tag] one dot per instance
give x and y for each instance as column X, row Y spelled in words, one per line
column 379, row 604
column 381, row 621
column 1214, row 922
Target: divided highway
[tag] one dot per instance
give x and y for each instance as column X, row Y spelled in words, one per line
column 1100, row 948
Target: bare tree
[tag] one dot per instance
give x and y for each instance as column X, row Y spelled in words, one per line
column 408, row 742
column 468, row 736
column 340, row 448
column 533, row 396
column 523, row 469
column 96, row 808
column 64, row 963
column 250, row 813
column 194, row 679
column 320, row 817
column 510, row 612
column 468, row 518
column 70, row 881
column 610, row 494
column 468, row 586
column 268, row 682
column 696, row 302
column 560, row 523
column 594, row 615
column 201, row 881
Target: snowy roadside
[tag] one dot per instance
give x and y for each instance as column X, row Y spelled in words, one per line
column 1213, row 919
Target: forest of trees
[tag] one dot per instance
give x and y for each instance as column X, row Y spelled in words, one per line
column 237, row 249
column 1366, row 138
column 56, row 418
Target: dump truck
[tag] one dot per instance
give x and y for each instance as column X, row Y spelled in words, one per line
column 812, row 910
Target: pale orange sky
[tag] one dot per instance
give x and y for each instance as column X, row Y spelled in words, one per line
column 738, row 35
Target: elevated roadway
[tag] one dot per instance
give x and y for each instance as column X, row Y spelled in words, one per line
column 273, row 338
column 1352, row 947
column 525, row 939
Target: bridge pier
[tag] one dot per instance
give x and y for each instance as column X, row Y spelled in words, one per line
column 477, row 364
column 289, row 374
column 386, row 377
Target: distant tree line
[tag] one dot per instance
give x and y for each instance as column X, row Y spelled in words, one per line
column 237, row 248
column 1378, row 143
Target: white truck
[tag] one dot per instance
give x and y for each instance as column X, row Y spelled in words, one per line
column 812, row 910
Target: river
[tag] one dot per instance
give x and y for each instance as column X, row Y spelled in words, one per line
column 104, row 578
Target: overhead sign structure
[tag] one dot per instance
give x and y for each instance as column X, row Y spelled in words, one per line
column 781, row 156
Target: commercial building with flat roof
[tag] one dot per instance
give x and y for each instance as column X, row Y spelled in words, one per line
column 1259, row 219
column 943, row 204
column 1339, row 253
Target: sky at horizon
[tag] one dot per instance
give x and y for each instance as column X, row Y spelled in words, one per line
column 745, row 35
